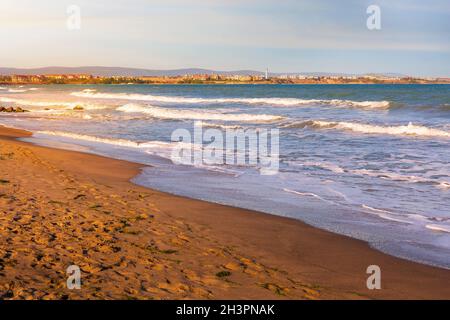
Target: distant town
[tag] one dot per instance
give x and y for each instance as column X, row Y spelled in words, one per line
column 215, row 79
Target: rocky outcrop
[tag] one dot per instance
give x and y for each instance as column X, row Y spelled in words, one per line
column 11, row 109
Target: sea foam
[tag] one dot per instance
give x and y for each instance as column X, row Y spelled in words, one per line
column 50, row 104
column 195, row 114
column 117, row 142
column 158, row 148
column 436, row 227
column 402, row 130
column 89, row 93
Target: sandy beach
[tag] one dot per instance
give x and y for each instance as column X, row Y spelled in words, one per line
column 59, row 208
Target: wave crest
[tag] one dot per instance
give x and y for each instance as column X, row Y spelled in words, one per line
column 269, row 101
column 118, row 142
column 195, row 114
column 402, row 130
column 50, row 104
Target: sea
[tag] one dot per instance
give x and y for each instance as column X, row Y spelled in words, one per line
column 368, row 161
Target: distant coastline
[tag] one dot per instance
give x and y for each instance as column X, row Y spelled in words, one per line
column 212, row 79
column 123, row 75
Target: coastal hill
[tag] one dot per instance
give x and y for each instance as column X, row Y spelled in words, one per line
column 120, row 71
column 99, row 71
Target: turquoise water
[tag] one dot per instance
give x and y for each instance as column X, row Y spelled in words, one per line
column 368, row 161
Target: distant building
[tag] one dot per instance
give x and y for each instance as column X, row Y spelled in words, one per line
column 19, row 78
column 69, row 76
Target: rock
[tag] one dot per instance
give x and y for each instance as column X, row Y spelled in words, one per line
column 7, row 295
column 11, row 109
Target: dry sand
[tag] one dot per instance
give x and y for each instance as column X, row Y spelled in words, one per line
column 59, row 208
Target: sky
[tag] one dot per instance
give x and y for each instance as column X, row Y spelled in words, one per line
column 282, row 35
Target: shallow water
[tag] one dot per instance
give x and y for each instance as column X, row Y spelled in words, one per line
column 369, row 161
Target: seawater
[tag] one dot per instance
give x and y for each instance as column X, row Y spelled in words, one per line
column 368, row 161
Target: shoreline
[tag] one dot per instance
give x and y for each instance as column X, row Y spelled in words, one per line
column 266, row 256
column 219, row 83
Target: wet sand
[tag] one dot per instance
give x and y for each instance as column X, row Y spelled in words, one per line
column 61, row 208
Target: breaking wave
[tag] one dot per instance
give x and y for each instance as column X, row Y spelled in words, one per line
column 440, row 228
column 195, row 114
column 89, row 93
column 221, row 126
column 403, row 130
column 52, row 104
column 18, row 90
column 322, row 165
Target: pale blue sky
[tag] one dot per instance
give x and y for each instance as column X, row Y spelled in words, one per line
column 286, row 35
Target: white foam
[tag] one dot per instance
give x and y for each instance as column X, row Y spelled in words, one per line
column 221, row 126
column 444, row 185
column 157, row 148
column 399, row 177
column 413, row 218
column 50, row 104
column 118, row 142
column 181, row 114
column 402, row 130
column 17, row 90
column 324, row 165
column 270, row 101
column 388, row 215
column 436, row 227
column 390, row 176
column 304, row 194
